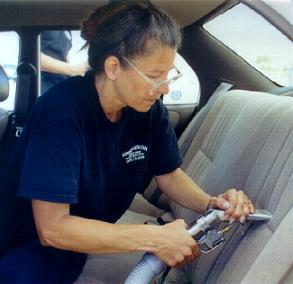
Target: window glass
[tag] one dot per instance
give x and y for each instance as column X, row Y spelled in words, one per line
column 186, row 89
column 76, row 55
column 9, row 50
column 257, row 41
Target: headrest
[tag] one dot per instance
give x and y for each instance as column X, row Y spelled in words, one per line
column 4, row 85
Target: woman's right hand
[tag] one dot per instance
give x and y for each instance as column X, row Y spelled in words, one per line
column 174, row 245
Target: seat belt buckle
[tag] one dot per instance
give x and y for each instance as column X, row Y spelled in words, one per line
column 18, row 131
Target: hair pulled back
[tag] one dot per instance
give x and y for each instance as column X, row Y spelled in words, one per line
column 123, row 29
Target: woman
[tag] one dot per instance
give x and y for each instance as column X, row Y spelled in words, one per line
column 87, row 145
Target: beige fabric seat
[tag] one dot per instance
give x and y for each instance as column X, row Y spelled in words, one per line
column 244, row 142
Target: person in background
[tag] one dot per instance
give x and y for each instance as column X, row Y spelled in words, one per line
column 55, row 46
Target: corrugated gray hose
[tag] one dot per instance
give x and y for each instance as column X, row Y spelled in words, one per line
column 151, row 266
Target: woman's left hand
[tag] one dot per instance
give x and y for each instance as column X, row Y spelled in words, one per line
column 236, row 204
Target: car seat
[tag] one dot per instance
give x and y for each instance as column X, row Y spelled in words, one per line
column 244, row 142
column 4, row 92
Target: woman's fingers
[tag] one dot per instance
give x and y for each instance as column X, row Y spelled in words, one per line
column 240, row 206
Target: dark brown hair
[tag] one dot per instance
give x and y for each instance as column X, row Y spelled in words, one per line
column 123, row 28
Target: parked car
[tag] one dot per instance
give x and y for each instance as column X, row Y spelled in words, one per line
column 232, row 112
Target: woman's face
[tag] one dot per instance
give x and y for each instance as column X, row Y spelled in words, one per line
column 138, row 85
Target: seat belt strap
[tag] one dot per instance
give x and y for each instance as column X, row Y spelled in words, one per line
column 26, row 73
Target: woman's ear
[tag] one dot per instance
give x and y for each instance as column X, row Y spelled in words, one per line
column 112, row 67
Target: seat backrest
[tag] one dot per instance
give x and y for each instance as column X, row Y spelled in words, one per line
column 245, row 142
column 4, row 92
column 153, row 193
column 4, row 85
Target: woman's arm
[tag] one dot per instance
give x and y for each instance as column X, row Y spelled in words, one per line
column 179, row 187
column 57, row 228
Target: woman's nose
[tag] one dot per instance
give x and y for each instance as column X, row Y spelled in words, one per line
column 163, row 89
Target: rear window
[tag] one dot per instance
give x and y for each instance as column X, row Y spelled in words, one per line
column 257, row 41
column 186, row 90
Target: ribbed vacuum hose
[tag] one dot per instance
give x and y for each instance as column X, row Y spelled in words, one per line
column 150, row 265
column 145, row 270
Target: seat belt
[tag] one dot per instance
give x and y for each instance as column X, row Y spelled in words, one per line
column 26, row 74
column 187, row 136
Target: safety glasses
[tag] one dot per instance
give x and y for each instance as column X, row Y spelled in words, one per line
column 173, row 75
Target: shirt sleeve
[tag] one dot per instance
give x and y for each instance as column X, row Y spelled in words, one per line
column 51, row 167
column 47, row 40
column 56, row 44
column 165, row 156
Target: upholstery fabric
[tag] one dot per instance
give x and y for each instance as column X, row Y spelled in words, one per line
column 244, row 142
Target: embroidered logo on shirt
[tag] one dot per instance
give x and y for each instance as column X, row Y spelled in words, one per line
column 135, row 153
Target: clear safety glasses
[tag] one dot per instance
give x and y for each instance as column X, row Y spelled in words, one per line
column 173, row 75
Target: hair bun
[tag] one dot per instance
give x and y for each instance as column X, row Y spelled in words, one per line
column 123, row 28
column 98, row 17
column 89, row 26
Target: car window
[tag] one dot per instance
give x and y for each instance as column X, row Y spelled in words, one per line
column 9, row 60
column 77, row 55
column 184, row 91
column 257, row 41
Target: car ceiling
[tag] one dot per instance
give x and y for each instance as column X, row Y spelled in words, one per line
column 25, row 13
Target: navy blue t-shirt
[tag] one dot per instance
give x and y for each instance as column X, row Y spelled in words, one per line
column 71, row 153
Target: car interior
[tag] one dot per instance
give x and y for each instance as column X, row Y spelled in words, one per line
column 238, row 134
column 4, row 92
